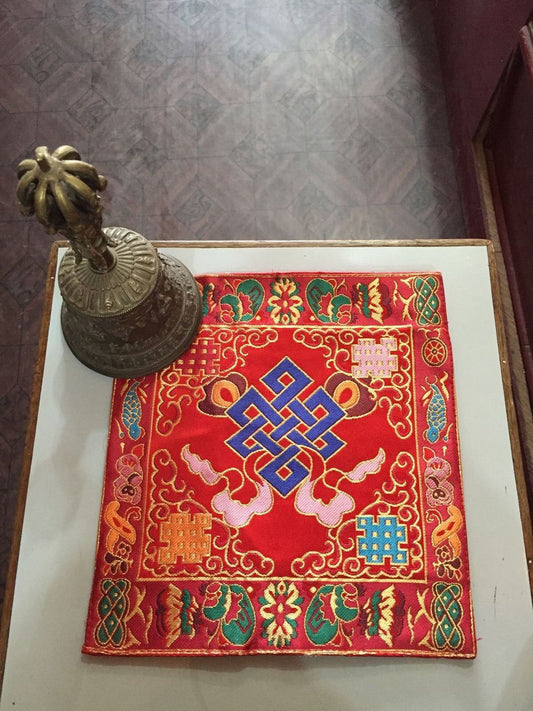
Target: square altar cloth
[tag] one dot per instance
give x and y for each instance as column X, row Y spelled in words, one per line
column 292, row 483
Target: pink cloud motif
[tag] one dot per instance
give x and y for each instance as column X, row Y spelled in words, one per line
column 239, row 515
column 369, row 466
column 234, row 513
column 202, row 467
column 328, row 514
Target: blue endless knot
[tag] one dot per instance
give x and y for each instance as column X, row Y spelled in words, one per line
column 286, row 425
column 381, row 539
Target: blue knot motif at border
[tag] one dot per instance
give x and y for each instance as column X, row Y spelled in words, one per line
column 286, row 425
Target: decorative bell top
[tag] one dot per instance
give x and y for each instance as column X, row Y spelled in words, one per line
column 127, row 310
column 62, row 191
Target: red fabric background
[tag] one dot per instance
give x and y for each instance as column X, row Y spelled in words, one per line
column 270, row 563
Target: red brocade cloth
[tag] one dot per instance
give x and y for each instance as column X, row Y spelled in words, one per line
column 292, row 483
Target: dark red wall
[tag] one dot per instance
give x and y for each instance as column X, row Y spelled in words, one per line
column 475, row 39
column 510, row 156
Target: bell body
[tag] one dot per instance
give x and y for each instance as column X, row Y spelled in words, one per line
column 133, row 319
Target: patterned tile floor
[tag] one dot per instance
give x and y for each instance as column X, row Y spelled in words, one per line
column 216, row 119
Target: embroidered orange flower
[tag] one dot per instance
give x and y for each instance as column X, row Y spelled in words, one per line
column 285, row 305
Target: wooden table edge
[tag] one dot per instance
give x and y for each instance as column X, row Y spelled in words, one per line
column 27, row 457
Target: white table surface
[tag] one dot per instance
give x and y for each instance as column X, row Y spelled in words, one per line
column 45, row 670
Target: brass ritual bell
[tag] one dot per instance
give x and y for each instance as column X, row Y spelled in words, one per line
column 127, row 310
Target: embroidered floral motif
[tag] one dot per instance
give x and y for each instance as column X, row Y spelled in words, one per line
column 373, row 300
column 243, row 303
column 119, row 561
column 327, row 303
column 127, row 485
column 439, row 491
column 447, row 565
column 176, row 614
column 280, row 609
column 330, row 613
column 230, row 606
column 383, row 615
column 285, row 305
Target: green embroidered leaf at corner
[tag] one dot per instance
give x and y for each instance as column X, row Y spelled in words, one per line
column 246, row 301
column 323, row 301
